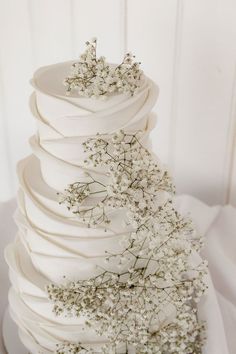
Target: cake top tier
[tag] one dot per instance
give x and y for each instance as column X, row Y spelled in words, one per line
column 49, row 80
column 91, row 95
column 91, row 76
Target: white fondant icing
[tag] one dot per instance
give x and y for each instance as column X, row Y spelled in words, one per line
column 51, row 242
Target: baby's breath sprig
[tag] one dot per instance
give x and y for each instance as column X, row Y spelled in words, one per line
column 77, row 194
column 151, row 301
column 94, row 77
column 135, row 180
column 71, row 348
column 78, row 348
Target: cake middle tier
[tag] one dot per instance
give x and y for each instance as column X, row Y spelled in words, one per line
column 63, row 159
column 52, row 234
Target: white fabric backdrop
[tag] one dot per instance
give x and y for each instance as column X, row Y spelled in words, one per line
column 187, row 46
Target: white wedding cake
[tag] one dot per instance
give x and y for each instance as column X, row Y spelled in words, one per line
column 85, row 140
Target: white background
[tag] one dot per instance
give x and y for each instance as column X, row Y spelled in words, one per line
column 187, row 46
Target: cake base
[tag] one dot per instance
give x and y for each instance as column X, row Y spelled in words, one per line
column 11, row 339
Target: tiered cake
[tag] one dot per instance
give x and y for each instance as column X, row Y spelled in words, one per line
column 56, row 249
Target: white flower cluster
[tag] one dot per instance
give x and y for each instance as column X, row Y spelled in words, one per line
column 136, row 179
column 71, row 348
column 94, row 77
column 77, row 193
column 151, row 301
column 183, row 335
column 133, row 308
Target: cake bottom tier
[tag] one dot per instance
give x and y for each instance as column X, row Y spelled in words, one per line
column 39, row 328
